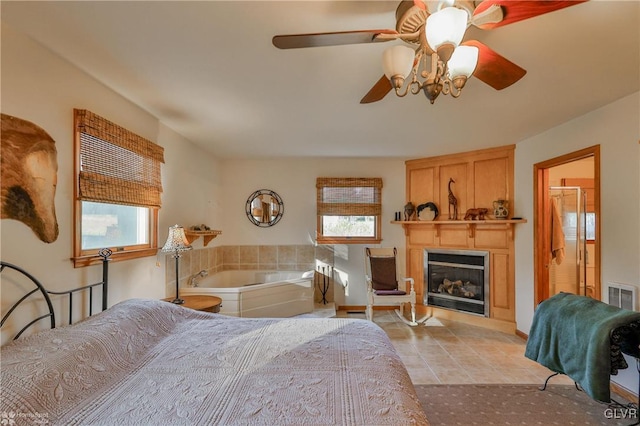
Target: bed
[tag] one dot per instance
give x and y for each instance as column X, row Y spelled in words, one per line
column 151, row 362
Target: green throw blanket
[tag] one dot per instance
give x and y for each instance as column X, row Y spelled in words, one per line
column 571, row 335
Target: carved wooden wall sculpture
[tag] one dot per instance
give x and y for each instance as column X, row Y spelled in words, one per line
column 29, row 176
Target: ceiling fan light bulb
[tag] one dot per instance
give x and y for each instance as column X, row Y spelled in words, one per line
column 463, row 62
column 447, row 25
column 398, row 61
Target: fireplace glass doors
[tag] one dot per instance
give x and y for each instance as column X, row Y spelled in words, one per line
column 457, row 280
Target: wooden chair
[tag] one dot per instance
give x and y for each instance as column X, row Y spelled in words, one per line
column 382, row 284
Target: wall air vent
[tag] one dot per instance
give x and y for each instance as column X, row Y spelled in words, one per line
column 622, row 295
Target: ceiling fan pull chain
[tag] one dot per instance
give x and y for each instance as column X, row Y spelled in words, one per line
column 434, row 70
column 415, row 83
column 445, row 82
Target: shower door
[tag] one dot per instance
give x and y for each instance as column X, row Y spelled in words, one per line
column 569, row 274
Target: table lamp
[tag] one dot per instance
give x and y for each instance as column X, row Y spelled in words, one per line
column 176, row 243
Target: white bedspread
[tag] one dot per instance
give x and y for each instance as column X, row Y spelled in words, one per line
column 152, row 363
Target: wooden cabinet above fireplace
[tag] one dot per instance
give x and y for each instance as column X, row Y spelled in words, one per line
column 479, row 178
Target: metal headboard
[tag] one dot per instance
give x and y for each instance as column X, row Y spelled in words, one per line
column 104, row 254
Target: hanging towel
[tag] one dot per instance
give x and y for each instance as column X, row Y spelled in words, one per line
column 557, row 234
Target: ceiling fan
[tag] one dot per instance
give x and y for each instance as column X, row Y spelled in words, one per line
column 438, row 61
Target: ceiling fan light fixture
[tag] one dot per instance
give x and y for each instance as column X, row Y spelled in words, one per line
column 397, row 63
column 435, row 29
column 446, row 26
column 458, row 83
column 445, row 51
column 398, row 60
column 463, row 62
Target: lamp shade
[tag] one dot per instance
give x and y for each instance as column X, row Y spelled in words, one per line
column 463, row 61
column 398, row 60
column 176, row 240
column 446, row 26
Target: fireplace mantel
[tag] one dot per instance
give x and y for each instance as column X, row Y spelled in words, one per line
column 469, row 224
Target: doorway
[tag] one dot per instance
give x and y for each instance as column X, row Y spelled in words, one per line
column 567, row 188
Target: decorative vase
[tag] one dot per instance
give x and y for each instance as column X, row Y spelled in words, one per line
column 409, row 210
column 500, row 210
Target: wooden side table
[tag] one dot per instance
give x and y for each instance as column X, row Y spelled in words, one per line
column 200, row 302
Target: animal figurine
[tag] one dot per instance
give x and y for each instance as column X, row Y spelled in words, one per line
column 29, row 176
column 409, row 210
column 453, row 202
column 475, row 214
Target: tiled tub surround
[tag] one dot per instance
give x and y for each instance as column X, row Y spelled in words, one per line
column 246, row 257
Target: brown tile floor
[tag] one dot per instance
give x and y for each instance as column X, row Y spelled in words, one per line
column 450, row 352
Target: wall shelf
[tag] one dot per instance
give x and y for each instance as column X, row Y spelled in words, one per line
column 207, row 236
column 469, row 224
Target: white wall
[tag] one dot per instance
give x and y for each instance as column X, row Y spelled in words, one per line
column 40, row 87
column 295, row 181
column 616, row 128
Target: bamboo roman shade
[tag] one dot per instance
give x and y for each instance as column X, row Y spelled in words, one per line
column 116, row 165
column 349, row 196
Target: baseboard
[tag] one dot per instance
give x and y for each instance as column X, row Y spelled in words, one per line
column 624, row 392
column 350, row 308
column 362, row 308
column 476, row 320
column 522, row 334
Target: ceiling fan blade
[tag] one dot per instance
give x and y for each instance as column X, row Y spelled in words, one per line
column 516, row 10
column 420, row 4
column 295, row 41
column 494, row 69
column 378, row 91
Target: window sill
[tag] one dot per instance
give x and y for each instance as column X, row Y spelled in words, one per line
column 117, row 256
column 348, row 240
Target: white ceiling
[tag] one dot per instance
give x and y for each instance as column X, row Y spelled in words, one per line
column 209, row 71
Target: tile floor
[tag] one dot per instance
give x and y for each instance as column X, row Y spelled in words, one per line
column 450, row 352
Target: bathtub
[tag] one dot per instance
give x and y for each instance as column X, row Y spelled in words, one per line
column 259, row 294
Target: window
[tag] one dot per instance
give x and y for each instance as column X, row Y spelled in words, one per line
column 572, row 226
column 590, row 231
column 349, row 210
column 117, row 191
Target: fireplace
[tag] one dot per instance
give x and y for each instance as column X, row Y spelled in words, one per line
column 457, row 280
